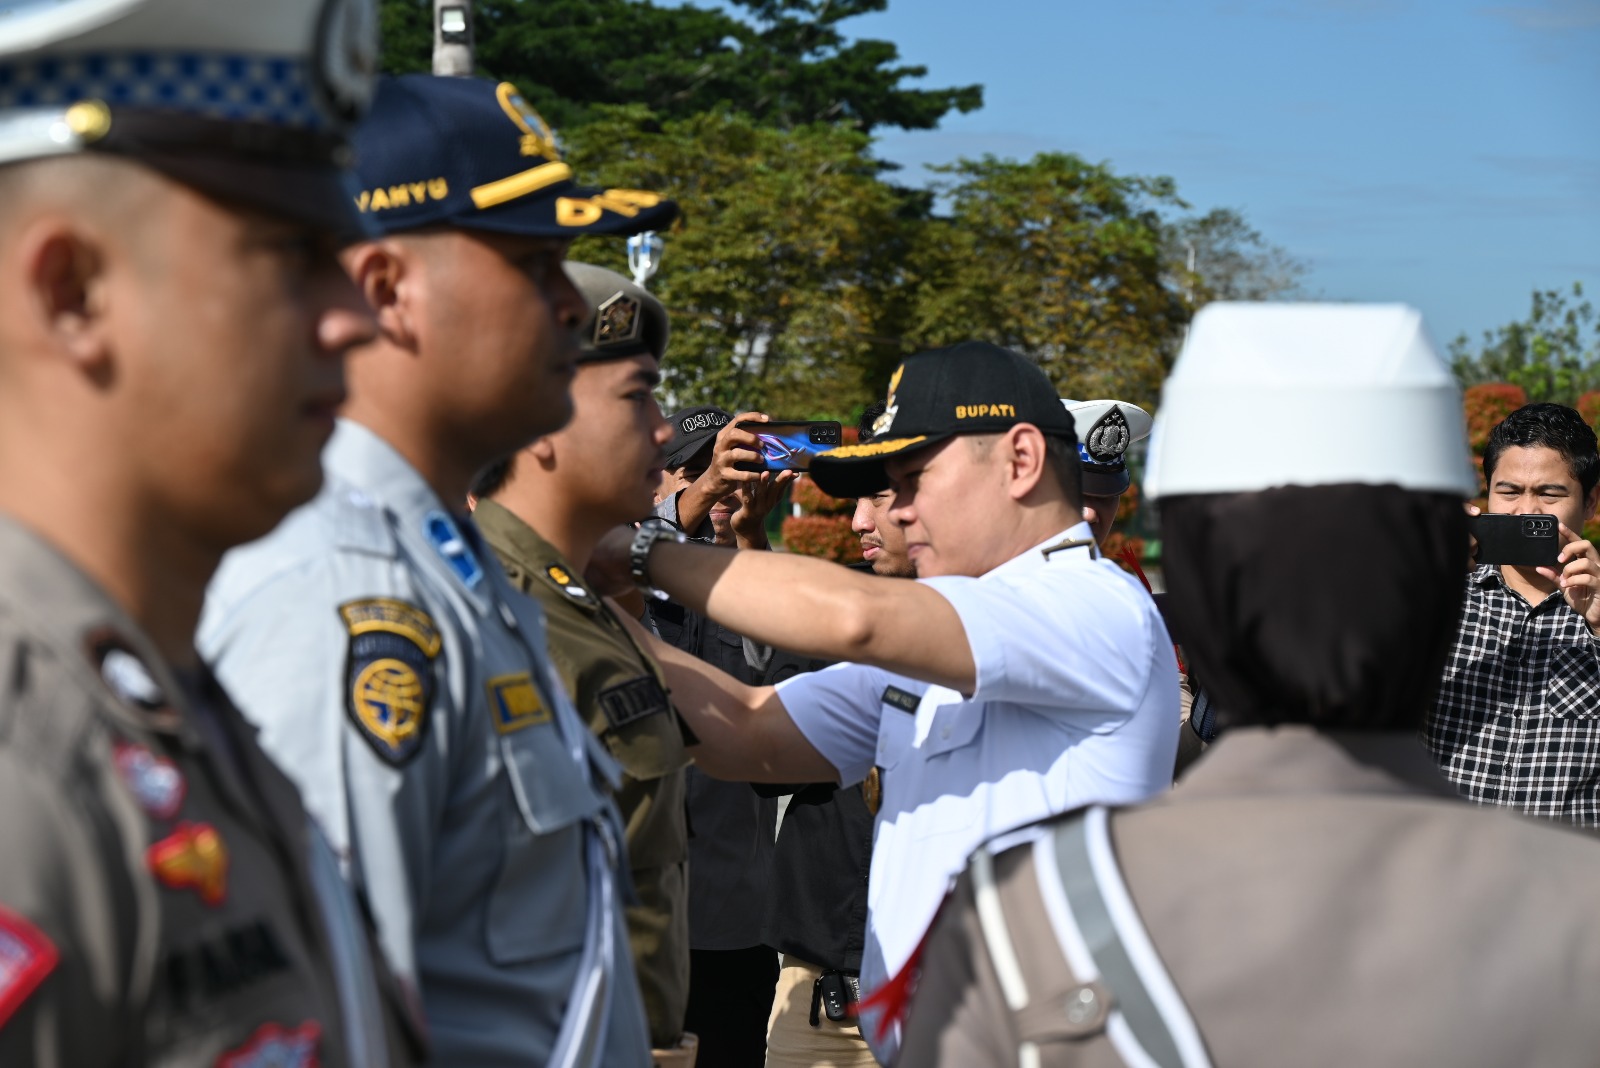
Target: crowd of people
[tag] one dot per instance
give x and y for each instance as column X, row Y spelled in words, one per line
column 388, row 680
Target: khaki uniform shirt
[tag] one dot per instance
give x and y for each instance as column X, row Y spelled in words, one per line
column 1317, row 900
column 620, row 691
column 163, row 899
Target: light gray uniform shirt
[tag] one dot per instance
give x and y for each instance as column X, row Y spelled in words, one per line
column 404, row 686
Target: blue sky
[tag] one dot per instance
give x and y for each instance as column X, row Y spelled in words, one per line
column 1445, row 153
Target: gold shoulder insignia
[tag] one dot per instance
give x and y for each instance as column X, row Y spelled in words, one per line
column 565, row 583
column 1072, row 543
column 872, row 448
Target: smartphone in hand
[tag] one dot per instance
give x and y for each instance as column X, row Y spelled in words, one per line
column 790, row 445
column 1518, row 540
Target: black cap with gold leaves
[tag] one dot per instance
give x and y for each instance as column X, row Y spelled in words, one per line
column 970, row 388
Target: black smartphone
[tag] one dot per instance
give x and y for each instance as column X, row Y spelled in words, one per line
column 789, row 446
column 1518, row 540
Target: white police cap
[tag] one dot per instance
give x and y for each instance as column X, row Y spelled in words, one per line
column 1106, row 429
column 209, row 91
column 1267, row 395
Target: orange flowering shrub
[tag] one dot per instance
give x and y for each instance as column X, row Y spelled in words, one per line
column 827, row 536
column 1487, row 405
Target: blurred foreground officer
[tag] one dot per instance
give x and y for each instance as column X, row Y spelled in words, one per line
column 173, row 322
column 1020, row 675
column 374, row 639
column 547, row 506
column 1312, row 893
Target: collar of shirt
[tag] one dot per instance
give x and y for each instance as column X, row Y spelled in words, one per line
column 1297, row 759
column 1039, row 555
column 1488, row 577
column 52, row 598
column 513, row 538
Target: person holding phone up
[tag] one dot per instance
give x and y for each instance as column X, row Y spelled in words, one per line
column 1020, row 675
column 1517, row 720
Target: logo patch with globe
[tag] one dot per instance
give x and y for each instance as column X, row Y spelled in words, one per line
column 391, row 678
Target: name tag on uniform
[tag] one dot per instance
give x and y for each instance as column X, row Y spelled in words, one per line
column 515, row 703
column 633, row 700
column 905, row 701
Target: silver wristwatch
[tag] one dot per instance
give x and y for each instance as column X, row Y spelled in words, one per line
column 645, row 538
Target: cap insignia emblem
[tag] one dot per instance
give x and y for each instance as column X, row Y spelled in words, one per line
column 881, row 425
column 1109, row 438
column 617, row 320
column 538, row 139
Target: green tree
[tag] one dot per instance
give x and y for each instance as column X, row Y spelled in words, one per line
column 1553, row 354
column 1056, row 257
column 788, row 63
column 774, row 277
column 1220, row 256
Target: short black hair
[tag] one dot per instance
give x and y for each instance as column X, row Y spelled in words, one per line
column 492, row 478
column 1550, row 426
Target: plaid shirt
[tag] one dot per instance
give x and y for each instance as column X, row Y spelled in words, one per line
column 1517, row 720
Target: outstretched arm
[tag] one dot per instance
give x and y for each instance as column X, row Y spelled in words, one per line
column 745, row 733
column 816, row 608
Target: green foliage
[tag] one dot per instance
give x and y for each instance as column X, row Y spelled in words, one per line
column 787, row 64
column 1553, row 354
column 1056, row 257
column 1220, row 256
column 775, row 276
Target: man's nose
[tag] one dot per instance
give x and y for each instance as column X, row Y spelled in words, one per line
column 1090, row 516
column 861, row 519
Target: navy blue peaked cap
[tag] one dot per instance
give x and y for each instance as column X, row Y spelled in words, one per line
column 471, row 153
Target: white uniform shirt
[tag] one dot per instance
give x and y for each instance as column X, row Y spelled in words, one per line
column 1076, row 702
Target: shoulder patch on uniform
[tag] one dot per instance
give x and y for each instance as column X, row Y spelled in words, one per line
column 276, row 1046
column 631, row 701
column 390, row 674
column 515, row 702
column 26, row 958
column 566, row 584
column 904, row 700
column 155, row 782
column 192, row 857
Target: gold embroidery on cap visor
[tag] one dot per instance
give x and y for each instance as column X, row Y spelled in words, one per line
column 871, row 448
column 537, row 137
column 520, row 184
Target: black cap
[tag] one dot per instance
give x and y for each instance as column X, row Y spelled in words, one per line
column 470, row 152
column 624, row 318
column 970, row 388
column 692, row 430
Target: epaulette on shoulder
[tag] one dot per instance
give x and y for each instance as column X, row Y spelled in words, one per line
column 360, row 524
column 47, row 709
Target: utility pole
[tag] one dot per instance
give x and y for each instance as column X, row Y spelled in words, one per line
column 452, row 38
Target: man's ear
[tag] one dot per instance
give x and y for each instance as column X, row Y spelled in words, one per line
column 67, row 283
column 385, row 272
column 1026, row 459
column 1591, row 501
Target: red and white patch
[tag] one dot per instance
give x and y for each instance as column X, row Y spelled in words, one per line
column 156, row 782
column 274, row 1046
column 26, row 957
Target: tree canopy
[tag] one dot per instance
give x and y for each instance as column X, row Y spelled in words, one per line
column 786, row 63
column 1552, row 355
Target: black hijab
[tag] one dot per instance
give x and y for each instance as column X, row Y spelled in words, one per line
column 1327, row 605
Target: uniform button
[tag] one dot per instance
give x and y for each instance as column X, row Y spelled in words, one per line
column 1082, row 1006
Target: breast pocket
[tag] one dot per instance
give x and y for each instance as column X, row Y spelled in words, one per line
column 897, row 733
column 1573, row 688
column 537, row 905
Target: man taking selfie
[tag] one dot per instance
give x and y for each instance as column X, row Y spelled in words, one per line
column 1019, row 676
column 1517, row 721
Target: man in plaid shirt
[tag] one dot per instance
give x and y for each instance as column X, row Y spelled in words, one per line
column 1517, row 722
